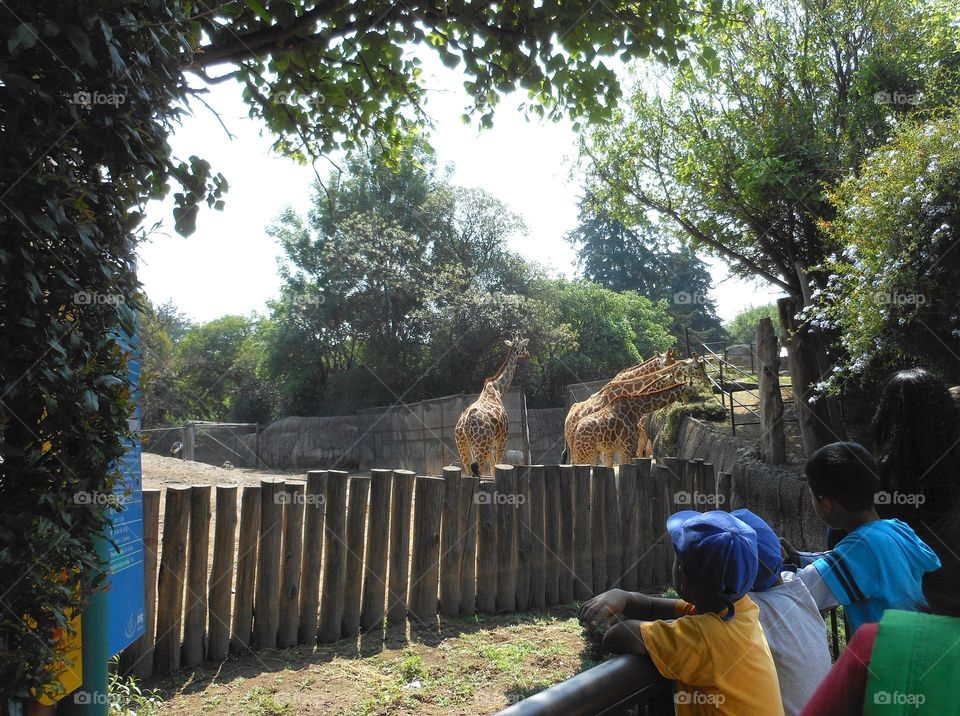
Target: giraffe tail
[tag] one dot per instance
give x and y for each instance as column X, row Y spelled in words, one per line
column 475, row 469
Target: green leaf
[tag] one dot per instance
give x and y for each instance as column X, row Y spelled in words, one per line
column 89, row 402
column 260, row 10
column 25, row 37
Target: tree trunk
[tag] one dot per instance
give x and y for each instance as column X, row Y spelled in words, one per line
column 819, row 420
column 773, row 446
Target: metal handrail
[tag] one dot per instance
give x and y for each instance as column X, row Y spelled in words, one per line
column 622, row 681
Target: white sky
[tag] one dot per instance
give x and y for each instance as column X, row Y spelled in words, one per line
column 229, row 265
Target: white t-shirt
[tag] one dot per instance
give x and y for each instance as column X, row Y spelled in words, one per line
column 797, row 638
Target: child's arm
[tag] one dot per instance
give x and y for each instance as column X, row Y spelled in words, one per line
column 624, row 638
column 617, row 604
column 818, row 588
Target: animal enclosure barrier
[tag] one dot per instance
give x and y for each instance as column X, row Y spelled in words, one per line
column 209, row 442
column 420, row 436
column 333, row 556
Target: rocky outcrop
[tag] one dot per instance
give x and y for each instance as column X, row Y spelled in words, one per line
column 778, row 493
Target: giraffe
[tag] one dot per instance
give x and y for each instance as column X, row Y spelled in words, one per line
column 690, row 370
column 481, row 430
column 585, row 407
column 613, row 429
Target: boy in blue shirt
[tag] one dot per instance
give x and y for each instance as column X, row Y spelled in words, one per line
column 880, row 564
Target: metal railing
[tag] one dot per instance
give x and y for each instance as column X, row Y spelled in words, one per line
column 625, row 682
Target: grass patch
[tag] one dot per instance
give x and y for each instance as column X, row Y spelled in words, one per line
column 263, row 702
column 704, row 407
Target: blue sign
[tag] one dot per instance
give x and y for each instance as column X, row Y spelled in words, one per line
column 125, row 598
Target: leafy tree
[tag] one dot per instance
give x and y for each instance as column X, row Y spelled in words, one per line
column 160, row 327
column 892, row 294
column 739, row 161
column 88, row 94
column 743, row 327
column 638, row 257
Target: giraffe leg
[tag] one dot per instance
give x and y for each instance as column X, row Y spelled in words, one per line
column 463, row 447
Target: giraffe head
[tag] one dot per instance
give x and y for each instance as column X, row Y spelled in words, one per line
column 519, row 345
column 668, row 358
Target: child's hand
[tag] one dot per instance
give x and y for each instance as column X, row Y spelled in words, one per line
column 604, row 609
column 790, row 555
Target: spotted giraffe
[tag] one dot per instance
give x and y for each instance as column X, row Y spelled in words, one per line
column 481, row 430
column 585, row 407
column 613, row 429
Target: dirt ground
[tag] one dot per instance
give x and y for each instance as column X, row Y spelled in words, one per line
column 465, row 666
column 161, row 471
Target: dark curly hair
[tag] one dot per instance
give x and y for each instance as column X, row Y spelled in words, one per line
column 915, row 435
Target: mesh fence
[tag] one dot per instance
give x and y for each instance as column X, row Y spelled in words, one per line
column 420, row 436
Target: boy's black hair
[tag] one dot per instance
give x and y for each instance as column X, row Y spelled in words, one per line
column 845, row 472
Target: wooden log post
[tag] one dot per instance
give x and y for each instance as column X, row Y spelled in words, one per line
column 173, row 571
column 629, row 526
column 552, row 528
column 292, row 561
column 486, row 548
column 598, row 530
column 566, row 521
column 311, row 561
column 266, row 601
column 334, row 557
column 241, row 629
column 524, row 539
column 469, row 487
column 773, row 441
column 198, row 552
column 667, row 483
column 708, row 480
column 137, row 659
column 375, row 564
column 451, row 543
column 724, row 491
column 221, row 573
column 425, row 565
column 401, row 503
column 612, row 522
column 582, row 562
column 659, row 478
column 537, row 539
column 646, row 538
column 353, row 577
column 506, row 498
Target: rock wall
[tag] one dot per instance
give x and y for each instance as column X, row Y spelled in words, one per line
column 311, row 443
column 777, row 493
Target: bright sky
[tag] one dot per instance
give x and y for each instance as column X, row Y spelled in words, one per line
column 229, row 266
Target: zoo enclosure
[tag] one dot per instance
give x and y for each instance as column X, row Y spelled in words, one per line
column 335, row 556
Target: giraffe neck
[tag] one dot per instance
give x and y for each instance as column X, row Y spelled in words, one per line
column 648, row 402
column 501, row 381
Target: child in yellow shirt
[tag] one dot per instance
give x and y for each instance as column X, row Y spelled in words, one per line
column 710, row 641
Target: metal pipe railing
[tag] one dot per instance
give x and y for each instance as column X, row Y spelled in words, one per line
column 620, row 682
